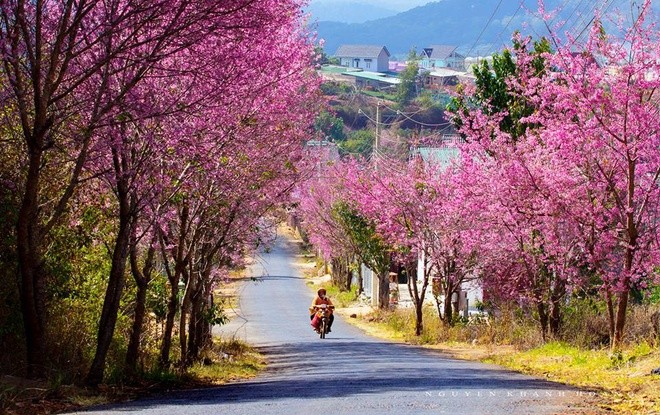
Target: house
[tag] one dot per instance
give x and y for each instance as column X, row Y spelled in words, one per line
column 441, row 56
column 441, row 78
column 443, row 154
column 398, row 67
column 366, row 57
column 324, row 153
column 470, row 293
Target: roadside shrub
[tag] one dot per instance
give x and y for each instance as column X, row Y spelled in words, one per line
column 585, row 324
column 642, row 324
column 342, row 298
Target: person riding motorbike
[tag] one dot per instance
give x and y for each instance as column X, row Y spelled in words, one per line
column 316, row 314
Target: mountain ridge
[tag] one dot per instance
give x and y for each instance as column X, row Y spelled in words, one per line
column 462, row 23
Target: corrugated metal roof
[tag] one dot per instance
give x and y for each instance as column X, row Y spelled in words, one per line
column 442, row 156
column 445, row 72
column 439, row 51
column 375, row 76
column 362, row 51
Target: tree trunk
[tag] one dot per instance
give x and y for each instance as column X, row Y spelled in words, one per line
column 360, row 280
column 348, row 278
column 194, row 328
column 610, row 314
column 555, row 318
column 335, row 275
column 203, row 330
column 31, row 285
column 418, row 299
column 142, row 279
column 384, row 289
column 447, row 308
column 172, row 307
column 632, row 233
column 419, row 320
column 622, row 306
column 113, row 292
column 543, row 319
column 183, row 318
column 180, row 261
column 449, row 289
column 133, row 349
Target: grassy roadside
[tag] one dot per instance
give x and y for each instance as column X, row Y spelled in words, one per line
column 623, row 382
column 226, row 362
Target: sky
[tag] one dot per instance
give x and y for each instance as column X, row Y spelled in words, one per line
column 398, row 5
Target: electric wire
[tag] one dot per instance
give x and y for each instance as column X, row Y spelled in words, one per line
column 499, row 35
column 485, row 27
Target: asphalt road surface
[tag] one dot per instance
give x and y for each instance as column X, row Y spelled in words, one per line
column 348, row 372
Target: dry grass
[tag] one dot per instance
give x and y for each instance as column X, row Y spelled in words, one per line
column 623, row 381
column 226, row 362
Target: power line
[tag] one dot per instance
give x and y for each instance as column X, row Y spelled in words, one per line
column 485, row 27
column 569, row 17
column 374, row 121
column 606, row 7
column 444, row 124
column 520, row 6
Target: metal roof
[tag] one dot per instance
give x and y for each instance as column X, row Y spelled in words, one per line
column 375, row 76
column 441, row 156
column 445, row 72
column 439, row 51
column 362, row 51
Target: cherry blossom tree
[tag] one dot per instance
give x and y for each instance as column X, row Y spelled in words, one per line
column 61, row 63
column 577, row 193
column 71, row 73
column 600, row 118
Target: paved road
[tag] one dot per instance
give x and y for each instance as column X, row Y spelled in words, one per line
column 348, row 372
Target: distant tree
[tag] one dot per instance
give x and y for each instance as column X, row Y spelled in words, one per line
column 428, row 100
column 358, row 143
column 330, row 127
column 323, row 58
column 493, row 92
column 407, row 89
column 336, row 88
column 374, row 251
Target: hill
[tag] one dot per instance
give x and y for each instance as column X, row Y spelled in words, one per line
column 457, row 22
column 348, row 12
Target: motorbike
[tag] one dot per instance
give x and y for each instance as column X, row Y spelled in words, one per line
column 324, row 315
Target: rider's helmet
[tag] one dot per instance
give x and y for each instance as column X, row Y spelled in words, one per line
column 321, row 291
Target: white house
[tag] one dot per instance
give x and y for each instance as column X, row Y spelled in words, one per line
column 441, row 56
column 367, row 57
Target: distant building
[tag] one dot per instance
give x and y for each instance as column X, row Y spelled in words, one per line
column 397, row 67
column 441, row 56
column 441, row 78
column 324, row 153
column 367, row 57
column 374, row 80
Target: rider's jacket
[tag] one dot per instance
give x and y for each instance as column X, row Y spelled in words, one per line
column 318, row 301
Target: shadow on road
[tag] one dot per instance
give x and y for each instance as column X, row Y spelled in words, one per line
column 336, row 368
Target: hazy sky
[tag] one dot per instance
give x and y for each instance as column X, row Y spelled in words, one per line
column 398, row 5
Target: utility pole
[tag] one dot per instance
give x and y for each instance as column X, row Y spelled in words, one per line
column 375, row 151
